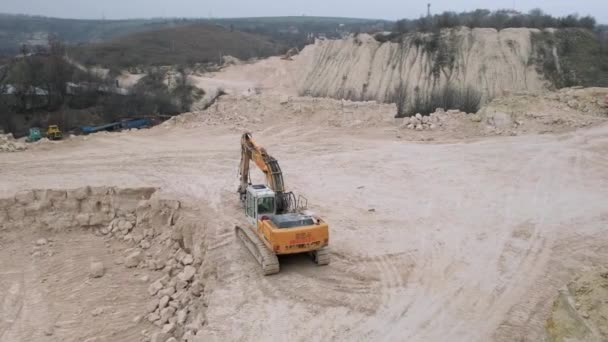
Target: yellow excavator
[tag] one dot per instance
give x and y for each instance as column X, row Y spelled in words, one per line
column 279, row 223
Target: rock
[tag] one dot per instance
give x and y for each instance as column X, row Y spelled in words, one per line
column 25, row 197
column 49, row 331
column 137, row 238
column 163, row 302
column 157, row 264
column 152, row 305
column 133, row 259
column 196, row 289
column 180, row 284
column 97, row 312
column 136, row 319
column 410, row 126
column 155, row 287
column 166, row 313
column 425, row 119
column 182, row 315
column 79, row 194
column 171, row 339
column 125, row 226
column 97, row 270
column 419, row 116
column 284, row 99
column 453, row 111
column 187, row 274
column 145, row 244
column 169, row 328
column 168, row 291
column 144, row 278
column 187, row 259
column 153, row 317
column 83, row 219
column 160, row 337
column 176, row 235
column 41, row 242
column 419, row 127
column 475, row 118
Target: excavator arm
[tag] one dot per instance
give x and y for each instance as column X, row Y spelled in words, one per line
column 265, row 162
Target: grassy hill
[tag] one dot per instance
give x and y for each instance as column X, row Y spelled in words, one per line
column 185, row 45
column 16, row 30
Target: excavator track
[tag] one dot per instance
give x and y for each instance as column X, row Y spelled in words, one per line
column 267, row 259
column 321, row 256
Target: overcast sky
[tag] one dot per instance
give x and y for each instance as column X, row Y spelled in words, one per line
column 381, row 9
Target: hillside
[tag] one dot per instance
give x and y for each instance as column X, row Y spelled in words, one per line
column 195, row 43
column 418, row 67
column 16, row 30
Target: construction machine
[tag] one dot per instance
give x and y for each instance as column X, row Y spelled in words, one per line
column 279, row 224
column 54, row 133
column 34, row 135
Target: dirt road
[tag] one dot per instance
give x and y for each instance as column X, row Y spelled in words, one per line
column 466, row 241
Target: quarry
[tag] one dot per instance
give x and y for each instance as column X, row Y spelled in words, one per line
column 485, row 225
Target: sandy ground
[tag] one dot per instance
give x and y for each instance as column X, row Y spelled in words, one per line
column 47, row 294
column 468, row 241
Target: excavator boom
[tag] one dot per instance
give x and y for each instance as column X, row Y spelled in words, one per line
column 269, row 166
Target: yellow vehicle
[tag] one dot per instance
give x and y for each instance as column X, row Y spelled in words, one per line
column 279, row 224
column 54, row 133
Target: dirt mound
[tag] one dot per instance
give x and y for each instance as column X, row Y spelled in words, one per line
column 157, row 241
column 580, row 312
column 517, row 114
column 548, row 112
column 9, row 144
column 247, row 111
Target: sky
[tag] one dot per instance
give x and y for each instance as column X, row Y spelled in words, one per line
column 376, row 9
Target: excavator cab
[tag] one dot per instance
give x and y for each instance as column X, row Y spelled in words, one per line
column 259, row 202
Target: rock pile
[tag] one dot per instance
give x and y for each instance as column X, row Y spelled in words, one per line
column 586, row 100
column 246, row 111
column 9, row 144
column 432, row 121
column 163, row 238
column 173, row 307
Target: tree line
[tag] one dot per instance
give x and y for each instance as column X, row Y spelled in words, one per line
column 44, row 80
column 500, row 19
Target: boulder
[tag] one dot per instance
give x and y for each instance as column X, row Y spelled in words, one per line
column 160, row 337
column 97, row 269
column 187, row 274
column 155, row 287
column 164, row 301
column 133, row 259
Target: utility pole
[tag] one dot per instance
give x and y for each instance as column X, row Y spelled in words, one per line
column 428, row 9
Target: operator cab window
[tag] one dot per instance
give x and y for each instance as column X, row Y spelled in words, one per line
column 266, row 205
